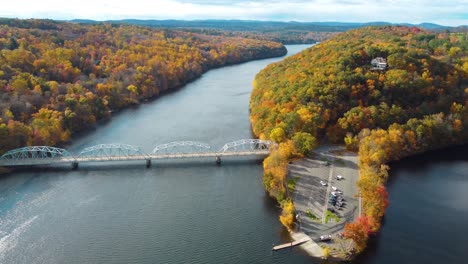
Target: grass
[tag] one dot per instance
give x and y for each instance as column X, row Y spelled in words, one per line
column 329, row 215
column 312, row 216
column 292, row 183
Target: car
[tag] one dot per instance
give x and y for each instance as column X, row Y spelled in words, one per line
column 339, row 177
column 323, row 183
column 334, row 188
column 325, row 237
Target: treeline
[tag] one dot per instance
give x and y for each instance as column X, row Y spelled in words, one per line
column 57, row 79
column 332, row 91
column 276, row 35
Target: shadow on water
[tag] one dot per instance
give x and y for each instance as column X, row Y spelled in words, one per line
column 419, row 162
column 130, row 166
column 371, row 251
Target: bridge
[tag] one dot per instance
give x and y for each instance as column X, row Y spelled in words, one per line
column 45, row 155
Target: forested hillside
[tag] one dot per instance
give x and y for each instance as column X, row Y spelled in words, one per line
column 418, row 102
column 290, row 32
column 57, row 79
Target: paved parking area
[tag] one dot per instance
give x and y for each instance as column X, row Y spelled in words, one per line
column 311, row 196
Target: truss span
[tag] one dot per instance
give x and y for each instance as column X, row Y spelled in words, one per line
column 243, row 145
column 111, row 150
column 35, row 152
column 181, row 147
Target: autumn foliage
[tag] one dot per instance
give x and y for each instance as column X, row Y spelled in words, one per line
column 359, row 232
column 287, row 215
column 58, row 78
column 418, row 103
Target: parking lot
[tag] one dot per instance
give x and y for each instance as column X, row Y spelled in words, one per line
column 312, row 199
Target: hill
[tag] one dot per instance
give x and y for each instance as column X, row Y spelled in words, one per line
column 331, row 91
column 285, row 32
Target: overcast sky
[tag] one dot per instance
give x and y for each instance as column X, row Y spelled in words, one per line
column 446, row 12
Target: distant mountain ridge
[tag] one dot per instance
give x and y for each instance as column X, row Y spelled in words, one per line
column 253, row 25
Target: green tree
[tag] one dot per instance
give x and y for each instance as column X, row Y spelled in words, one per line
column 304, row 142
column 277, row 134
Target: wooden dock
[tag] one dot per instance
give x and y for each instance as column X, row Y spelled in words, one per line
column 291, row 244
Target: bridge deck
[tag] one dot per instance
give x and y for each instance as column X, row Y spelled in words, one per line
column 62, row 160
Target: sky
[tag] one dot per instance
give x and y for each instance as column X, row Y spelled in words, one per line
column 445, row 12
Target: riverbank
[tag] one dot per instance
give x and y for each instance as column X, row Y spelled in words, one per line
column 315, row 216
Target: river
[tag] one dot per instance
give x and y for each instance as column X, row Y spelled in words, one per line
column 203, row 213
column 171, row 213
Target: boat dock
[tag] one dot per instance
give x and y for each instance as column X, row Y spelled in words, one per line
column 291, row 244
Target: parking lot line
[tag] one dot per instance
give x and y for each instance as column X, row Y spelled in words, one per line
column 325, row 207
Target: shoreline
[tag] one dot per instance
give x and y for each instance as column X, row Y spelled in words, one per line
column 273, row 53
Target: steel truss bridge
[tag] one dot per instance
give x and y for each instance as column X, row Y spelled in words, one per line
column 45, row 155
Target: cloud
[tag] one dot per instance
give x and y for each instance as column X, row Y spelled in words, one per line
column 449, row 12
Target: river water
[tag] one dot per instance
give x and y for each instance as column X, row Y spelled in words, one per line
column 427, row 219
column 171, row 213
column 203, row 213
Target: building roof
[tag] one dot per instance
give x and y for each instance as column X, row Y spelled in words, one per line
column 378, row 60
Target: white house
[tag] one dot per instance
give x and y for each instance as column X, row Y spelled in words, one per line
column 379, row 63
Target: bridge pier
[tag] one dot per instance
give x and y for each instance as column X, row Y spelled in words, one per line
column 148, row 163
column 74, row 165
column 218, row 160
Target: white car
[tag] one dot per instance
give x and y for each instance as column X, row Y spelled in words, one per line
column 339, row 177
column 323, row 183
column 334, row 188
column 325, row 237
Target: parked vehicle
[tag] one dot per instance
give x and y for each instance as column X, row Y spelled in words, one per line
column 323, row 183
column 325, row 237
column 339, row 177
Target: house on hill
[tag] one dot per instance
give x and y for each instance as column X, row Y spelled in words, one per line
column 379, row 63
